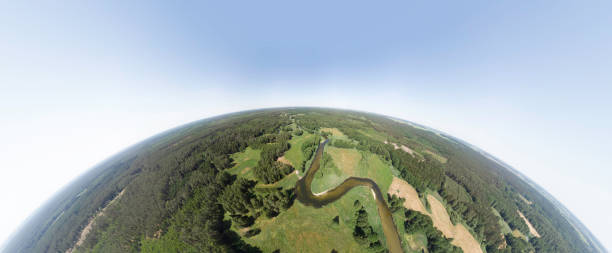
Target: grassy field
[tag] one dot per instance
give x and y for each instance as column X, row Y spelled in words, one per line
column 334, row 131
column 307, row 229
column 417, row 242
column 351, row 162
column 294, row 154
column 291, row 231
column 374, row 134
column 436, row 156
column 245, row 161
column 505, row 228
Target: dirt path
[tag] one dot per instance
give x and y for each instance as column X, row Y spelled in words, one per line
column 90, row 224
column 532, row 230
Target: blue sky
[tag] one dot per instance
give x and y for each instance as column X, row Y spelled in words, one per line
column 529, row 82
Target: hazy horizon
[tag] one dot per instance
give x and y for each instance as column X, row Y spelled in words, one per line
column 529, row 83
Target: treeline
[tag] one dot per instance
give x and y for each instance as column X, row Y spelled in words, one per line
column 245, row 204
column 343, row 144
column 308, row 149
column 419, row 223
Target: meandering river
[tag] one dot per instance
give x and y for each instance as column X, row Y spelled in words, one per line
column 306, row 197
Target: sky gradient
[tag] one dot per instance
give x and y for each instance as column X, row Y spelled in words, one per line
column 530, row 83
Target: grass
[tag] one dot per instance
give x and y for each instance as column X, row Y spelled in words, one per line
column 505, row 228
column 351, row 162
column 245, row 162
column 334, row 131
column 436, row 156
column 417, row 242
column 374, row 134
column 294, row 154
column 286, row 183
column 307, row 229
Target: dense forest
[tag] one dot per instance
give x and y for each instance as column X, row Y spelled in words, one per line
column 176, row 194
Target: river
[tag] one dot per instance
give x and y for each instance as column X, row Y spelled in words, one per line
column 306, row 197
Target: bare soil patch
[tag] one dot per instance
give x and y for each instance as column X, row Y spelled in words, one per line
column 90, row 224
column 402, row 147
column 284, row 160
column 459, row 233
column 404, row 190
column 525, row 200
column 532, row 230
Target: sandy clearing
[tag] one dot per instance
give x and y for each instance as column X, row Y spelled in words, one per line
column 90, row 224
column 532, row 230
column 440, row 217
column 284, row 160
column 525, row 200
column 402, row 147
column 459, row 233
column 404, row 190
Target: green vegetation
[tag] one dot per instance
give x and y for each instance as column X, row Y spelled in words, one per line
column 302, row 149
column 436, row 242
column 216, row 185
column 395, row 203
column 364, row 233
column 245, row 162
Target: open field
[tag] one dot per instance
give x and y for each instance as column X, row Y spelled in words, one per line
column 334, row 131
column 290, row 232
column 417, row 242
column 295, row 155
column 436, row 156
column 441, row 220
column 403, row 147
column 245, row 161
column 306, row 229
column 404, row 190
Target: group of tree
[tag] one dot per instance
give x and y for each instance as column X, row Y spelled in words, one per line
column 343, row 144
column 308, row 149
column 363, row 232
column 395, row 203
column 268, row 170
column 417, row 222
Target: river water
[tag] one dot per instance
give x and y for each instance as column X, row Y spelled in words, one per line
column 306, row 197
